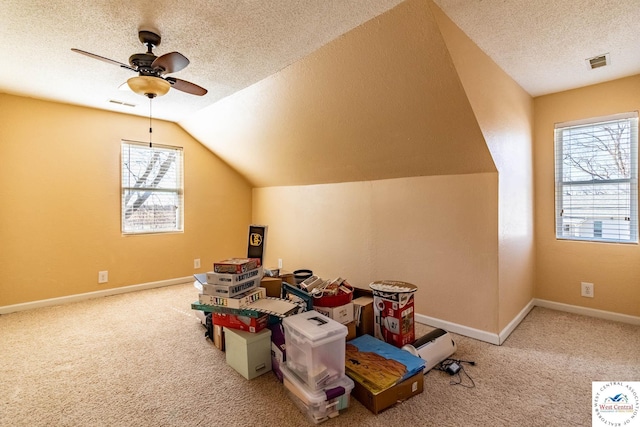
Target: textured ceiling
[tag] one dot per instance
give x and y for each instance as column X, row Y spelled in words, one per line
column 542, row 44
column 231, row 45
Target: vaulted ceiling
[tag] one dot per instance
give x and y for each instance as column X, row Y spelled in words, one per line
column 542, row 44
column 231, row 45
column 280, row 55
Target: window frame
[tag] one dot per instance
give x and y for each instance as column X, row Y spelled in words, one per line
column 560, row 184
column 178, row 190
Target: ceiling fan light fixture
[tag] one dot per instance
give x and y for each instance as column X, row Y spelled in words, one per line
column 149, row 86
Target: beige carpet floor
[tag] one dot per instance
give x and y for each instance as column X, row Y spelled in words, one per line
column 141, row 359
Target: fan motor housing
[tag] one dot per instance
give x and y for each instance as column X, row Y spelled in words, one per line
column 149, row 37
column 142, row 62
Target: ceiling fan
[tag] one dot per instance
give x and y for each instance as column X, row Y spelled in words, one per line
column 151, row 69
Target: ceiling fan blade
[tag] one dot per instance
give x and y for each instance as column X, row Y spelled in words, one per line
column 185, row 86
column 102, row 58
column 170, row 62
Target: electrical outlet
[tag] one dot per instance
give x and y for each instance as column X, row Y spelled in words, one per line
column 103, row 276
column 587, row 290
column 196, row 263
column 279, row 262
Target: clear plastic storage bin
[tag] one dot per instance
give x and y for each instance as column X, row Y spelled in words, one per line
column 315, row 348
column 318, row 405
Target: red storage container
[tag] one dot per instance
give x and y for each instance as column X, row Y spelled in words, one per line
column 341, row 298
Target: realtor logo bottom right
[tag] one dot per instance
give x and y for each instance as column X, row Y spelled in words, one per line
column 615, row 403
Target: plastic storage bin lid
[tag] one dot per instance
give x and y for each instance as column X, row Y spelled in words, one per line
column 314, row 326
column 340, row 387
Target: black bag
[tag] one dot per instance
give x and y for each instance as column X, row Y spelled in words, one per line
column 209, row 326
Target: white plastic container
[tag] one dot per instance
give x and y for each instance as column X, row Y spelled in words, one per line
column 322, row 404
column 315, row 348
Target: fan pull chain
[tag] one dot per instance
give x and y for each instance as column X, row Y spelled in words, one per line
column 150, row 128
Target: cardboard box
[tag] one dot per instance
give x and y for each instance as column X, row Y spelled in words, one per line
column 273, row 285
column 243, row 323
column 218, row 337
column 236, row 265
column 342, row 314
column 248, row 353
column 230, row 291
column 240, row 301
column 362, row 292
column 228, row 279
column 363, row 315
column 377, row 403
column 351, row 330
column 288, row 277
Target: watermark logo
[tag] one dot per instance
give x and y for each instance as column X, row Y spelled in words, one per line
column 615, row 403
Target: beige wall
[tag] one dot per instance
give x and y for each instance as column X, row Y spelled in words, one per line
column 409, row 190
column 439, row 233
column 410, row 107
column 60, row 203
column 505, row 115
column 382, row 101
column 403, row 119
column 614, row 269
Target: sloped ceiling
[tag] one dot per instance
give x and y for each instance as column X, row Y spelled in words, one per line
column 382, row 101
column 544, row 44
column 239, row 48
column 541, row 44
column 231, row 45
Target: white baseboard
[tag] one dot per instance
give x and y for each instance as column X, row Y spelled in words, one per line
column 458, row 329
column 498, row 339
column 592, row 312
column 89, row 295
column 478, row 334
column 515, row 322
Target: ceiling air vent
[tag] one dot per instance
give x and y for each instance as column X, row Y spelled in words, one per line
column 598, row 61
column 126, row 104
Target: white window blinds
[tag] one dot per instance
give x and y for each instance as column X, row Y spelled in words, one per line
column 152, row 188
column 597, row 179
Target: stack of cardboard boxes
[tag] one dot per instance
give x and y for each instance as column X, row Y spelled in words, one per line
column 355, row 310
column 307, row 351
column 238, row 310
column 234, row 285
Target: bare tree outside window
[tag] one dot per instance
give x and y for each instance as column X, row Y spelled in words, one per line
column 151, row 188
column 596, row 180
column 601, row 152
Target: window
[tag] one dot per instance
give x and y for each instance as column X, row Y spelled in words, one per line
column 152, row 189
column 597, row 179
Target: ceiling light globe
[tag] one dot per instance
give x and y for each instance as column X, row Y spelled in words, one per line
column 149, row 86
